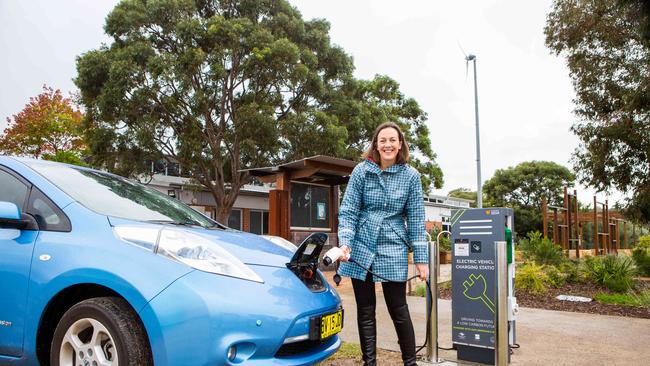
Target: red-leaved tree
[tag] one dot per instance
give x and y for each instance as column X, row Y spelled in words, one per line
column 48, row 127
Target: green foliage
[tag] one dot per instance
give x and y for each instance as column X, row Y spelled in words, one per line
column 522, row 188
column 222, row 86
column 532, row 277
column 445, row 241
column 641, row 256
column 420, row 290
column 608, row 56
column 613, row 271
column 629, row 298
column 68, row 157
column 464, row 193
column 556, row 277
column 571, row 271
column 644, row 242
column 540, row 250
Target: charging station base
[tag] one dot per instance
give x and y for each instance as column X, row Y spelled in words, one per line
column 475, row 354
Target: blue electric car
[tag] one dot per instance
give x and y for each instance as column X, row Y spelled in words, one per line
column 98, row 270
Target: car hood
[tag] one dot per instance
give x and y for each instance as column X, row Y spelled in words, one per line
column 248, row 248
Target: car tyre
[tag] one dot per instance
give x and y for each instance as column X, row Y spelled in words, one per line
column 100, row 331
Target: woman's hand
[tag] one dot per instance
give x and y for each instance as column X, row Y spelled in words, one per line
column 423, row 271
column 346, row 250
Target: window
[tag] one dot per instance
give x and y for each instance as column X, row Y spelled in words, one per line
column 13, row 190
column 234, row 220
column 259, row 222
column 46, row 213
column 112, row 195
column 310, row 206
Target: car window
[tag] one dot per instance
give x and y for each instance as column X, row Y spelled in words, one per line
column 115, row 196
column 47, row 214
column 13, row 190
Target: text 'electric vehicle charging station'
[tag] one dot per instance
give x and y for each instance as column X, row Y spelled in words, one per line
column 475, row 236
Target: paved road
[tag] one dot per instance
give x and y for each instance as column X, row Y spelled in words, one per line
column 546, row 337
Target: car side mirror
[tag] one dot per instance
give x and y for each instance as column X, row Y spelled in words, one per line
column 10, row 217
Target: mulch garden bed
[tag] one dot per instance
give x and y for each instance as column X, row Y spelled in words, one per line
column 549, row 302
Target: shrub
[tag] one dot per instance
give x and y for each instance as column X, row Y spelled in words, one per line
column 541, row 251
column 532, row 277
column 571, row 269
column 641, row 255
column 641, row 258
column 613, row 271
column 556, row 277
column 643, row 298
column 445, row 242
column 420, row 290
column 644, row 242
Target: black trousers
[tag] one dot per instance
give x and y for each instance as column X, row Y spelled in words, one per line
column 395, row 297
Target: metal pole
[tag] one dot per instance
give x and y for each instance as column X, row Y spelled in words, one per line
column 501, row 321
column 432, row 301
column 479, row 184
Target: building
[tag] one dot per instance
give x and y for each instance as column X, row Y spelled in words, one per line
column 250, row 212
column 438, row 210
column 251, row 209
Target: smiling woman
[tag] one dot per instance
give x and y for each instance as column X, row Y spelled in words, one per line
column 381, row 218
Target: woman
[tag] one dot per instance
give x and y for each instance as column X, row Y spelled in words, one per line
column 381, row 217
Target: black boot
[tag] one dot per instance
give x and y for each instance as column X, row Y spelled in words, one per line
column 367, row 334
column 405, row 334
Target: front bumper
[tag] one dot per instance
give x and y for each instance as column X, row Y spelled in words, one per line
column 199, row 317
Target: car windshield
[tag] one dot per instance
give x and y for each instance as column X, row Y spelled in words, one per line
column 115, row 196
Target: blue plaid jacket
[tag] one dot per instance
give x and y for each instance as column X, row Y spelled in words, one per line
column 382, row 214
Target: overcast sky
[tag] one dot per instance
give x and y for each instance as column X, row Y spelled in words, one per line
column 525, row 93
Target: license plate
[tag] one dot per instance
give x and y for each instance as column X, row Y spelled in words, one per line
column 327, row 325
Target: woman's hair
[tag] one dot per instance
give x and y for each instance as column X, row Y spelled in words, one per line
column 372, row 153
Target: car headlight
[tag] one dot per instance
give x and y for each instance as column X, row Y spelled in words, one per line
column 191, row 249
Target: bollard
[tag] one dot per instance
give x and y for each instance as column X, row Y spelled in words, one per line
column 501, row 321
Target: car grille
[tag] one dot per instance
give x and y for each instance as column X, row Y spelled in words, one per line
column 292, row 349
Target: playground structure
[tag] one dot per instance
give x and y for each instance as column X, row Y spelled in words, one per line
column 568, row 224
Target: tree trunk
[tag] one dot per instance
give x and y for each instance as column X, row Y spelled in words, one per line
column 223, row 212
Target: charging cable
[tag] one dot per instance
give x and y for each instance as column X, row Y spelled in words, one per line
column 336, row 253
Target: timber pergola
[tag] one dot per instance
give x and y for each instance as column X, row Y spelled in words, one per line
column 313, row 183
column 567, row 225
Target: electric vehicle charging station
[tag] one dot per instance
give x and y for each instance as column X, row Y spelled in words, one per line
column 476, row 233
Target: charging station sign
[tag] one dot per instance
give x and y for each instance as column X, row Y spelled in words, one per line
column 474, row 233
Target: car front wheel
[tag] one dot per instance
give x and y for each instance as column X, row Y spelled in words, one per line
column 102, row 331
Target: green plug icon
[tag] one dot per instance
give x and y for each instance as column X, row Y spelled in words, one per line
column 475, row 289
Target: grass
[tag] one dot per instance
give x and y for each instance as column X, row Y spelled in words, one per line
column 628, row 299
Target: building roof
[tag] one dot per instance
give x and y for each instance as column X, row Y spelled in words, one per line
column 315, row 169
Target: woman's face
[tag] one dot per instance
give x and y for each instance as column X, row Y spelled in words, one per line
column 388, row 145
